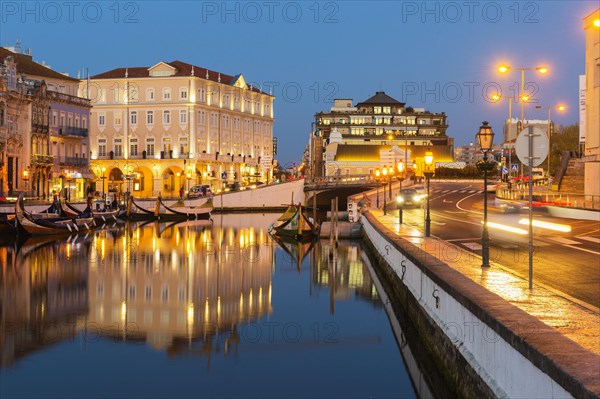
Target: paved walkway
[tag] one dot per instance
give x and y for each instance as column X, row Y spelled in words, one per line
column 578, row 321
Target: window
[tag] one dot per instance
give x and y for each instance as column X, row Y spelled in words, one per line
column 116, row 94
column 213, row 120
column 201, row 117
column 183, row 117
column 387, row 110
column 118, row 147
column 101, row 147
column 150, row 117
column 167, row 93
column 54, row 118
column 183, row 145
column 376, row 110
column 133, row 147
column 118, row 118
column 166, row 117
column 84, row 122
column 132, row 292
column 226, row 121
column 149, row 94
column 150, row 146
column 133, row 117
column 102, row 96
column 183, row 94
column 101, row 120
column 166, row 144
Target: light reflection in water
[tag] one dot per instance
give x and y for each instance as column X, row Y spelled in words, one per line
column 159, row 283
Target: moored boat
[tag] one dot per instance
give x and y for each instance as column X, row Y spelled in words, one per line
column 295, row 224
column 163, row 212
column 29, row 225
column 100, row 216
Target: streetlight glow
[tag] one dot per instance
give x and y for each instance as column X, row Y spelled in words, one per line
column 597, row 23
column 503, row 68
column 542, row 70
column 428, row 158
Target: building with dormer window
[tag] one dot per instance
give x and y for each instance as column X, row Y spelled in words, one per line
column 157, row 129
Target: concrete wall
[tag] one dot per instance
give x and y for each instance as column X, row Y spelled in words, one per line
column 485, row 345
column 272, row 195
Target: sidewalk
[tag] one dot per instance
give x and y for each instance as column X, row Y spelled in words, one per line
column 577, row 321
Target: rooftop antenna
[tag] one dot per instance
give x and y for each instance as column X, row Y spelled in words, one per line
column 18, row 46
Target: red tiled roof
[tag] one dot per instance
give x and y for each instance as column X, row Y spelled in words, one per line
column 181, row 69
column 26, row 65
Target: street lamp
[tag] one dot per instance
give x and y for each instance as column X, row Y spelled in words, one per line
column 428, row 171
column 524, row 98
column 485, row 137
column 103, row 169
column 496, row 98
column 399, row 199
column 377, row 179
column 384, row 172
column 26, row 179
column 560, row 108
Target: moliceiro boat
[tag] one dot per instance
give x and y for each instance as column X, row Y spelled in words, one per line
column 295, row 224
column 100, row 216
column 29, row 225
column 164, row 212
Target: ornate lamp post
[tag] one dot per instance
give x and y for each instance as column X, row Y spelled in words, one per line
column 399, row 199
column 26, row 180
column 428, row 171
column 485, row 137
column 378, row 179
column 384, row 172
column 103, row 169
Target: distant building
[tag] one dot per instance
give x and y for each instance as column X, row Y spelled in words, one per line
column 471, row 153
column 591, row 26
column 357, row 139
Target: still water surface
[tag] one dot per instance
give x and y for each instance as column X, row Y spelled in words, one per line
column 195, row 309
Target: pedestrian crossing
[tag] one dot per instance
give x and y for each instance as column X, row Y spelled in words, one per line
column 440, row 191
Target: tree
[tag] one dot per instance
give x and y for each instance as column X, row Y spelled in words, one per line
column 566, row 139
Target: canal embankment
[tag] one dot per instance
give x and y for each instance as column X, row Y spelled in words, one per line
column 483, row 343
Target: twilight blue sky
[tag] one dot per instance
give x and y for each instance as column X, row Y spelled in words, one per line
column 440, row 55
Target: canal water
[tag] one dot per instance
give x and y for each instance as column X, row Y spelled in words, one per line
column 197, row 309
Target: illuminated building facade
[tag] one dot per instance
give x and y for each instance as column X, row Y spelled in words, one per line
column 174, row 125
column 356, row 140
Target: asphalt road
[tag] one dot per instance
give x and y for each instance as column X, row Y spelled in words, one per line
column 568, row 262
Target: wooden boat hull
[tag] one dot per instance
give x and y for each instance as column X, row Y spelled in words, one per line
column 137, row 212
column 45, row 227
column 100, row 217
column 295, row 225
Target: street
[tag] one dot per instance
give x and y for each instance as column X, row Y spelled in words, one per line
column 568, row 262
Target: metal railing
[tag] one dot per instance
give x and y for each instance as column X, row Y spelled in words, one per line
column 73, row 131
column 569, row 200
column 343, row 180
column 73, row 161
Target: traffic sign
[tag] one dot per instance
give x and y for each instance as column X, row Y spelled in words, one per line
column 539, row 149
column 224, row 175
column 504, row 171
column 514, row 167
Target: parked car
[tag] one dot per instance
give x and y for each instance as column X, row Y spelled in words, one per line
column 410, row 197
column 233, row 187
column 201, row 190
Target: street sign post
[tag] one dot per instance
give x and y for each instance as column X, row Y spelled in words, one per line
column 532, row 149
column 514, row 167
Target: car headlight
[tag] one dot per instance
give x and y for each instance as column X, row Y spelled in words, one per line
column 400, row 200
column 418, row 197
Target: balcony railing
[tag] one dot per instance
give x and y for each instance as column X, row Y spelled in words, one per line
column 69, row 98
column 42, row 159
column 73, row 131
column 73, row 161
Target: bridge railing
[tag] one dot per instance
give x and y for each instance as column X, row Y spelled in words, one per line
column 342, row 180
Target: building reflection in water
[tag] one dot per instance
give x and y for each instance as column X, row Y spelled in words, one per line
column 341, row 270
column 179, row 283
column 181, row 288
column 43, row 293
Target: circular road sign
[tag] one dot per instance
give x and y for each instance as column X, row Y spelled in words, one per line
column 539, row 149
